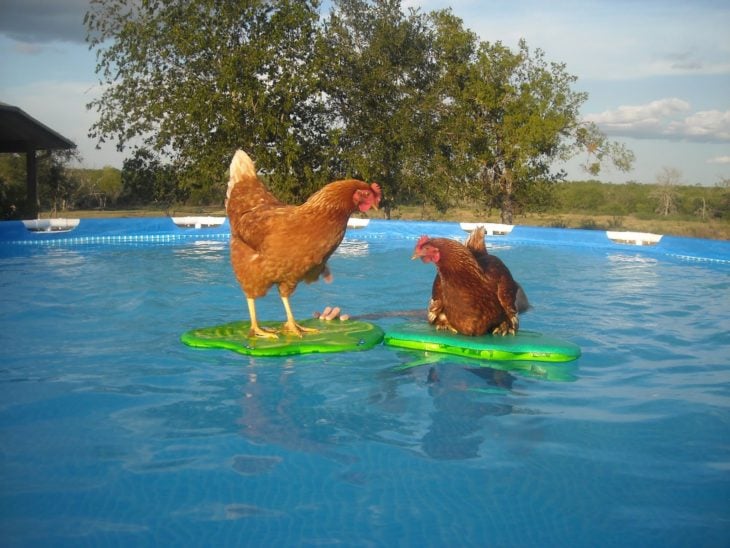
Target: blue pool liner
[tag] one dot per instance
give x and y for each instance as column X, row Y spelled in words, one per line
column 164, row 230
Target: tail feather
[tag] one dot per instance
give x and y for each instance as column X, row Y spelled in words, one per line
column 476, row 245
column 245, row 190
column 475, row 242
column 241, row 166
column 521, row 303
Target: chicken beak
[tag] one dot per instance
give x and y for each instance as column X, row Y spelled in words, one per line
column 415, row 256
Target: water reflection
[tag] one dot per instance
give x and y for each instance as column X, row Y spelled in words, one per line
column 443, row 406
column 278, row 410
column 353, row 248
column 203, row 249
column 456, row 431
column 438, row 410
column 202, row 260
column 631, row 274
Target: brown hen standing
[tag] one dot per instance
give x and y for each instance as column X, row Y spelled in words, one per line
column 274, row 243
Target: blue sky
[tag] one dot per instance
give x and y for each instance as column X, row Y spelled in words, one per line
column 657, row 72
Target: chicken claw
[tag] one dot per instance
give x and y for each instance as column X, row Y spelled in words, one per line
column 293, row 328
column 263, row 333
column 505, row 328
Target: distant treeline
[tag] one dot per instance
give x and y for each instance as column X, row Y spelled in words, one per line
column 645, row 201
column 60, row 188
column 145, row 183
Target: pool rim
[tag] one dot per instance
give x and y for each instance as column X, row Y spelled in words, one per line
column 121, row 230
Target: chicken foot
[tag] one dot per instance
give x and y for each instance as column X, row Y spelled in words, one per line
column 505, row 328
column 291, row 326
column 256, row 330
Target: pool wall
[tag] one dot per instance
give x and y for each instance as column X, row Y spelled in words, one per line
column 164, row 229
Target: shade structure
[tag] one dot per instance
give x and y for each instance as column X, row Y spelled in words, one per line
column 21, row 133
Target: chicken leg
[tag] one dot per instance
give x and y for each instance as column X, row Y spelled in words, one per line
column 291, row 326
column 256, row 330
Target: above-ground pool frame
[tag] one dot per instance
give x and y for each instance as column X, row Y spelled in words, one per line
column 183, row 229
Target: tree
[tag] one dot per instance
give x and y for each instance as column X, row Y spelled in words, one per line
column 448, row 159
column 193, row 81
column 723, row 209
column 147, row 180
column 666, row 180
column 598, row 149
column 56, row 188
column 98, row 187
column 379, row 73
column 523, row 116
column 412, row 100
column 12, row 185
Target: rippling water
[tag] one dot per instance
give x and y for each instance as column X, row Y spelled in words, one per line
column 112, row 432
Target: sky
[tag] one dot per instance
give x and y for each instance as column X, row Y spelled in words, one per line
column 657, row 73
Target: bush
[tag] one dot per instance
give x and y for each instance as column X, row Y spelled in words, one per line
column 616, row 222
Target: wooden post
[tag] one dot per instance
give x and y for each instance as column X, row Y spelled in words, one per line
column 33, row 206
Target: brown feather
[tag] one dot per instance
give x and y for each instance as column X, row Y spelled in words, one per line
column 473, row 292
column 274, row 243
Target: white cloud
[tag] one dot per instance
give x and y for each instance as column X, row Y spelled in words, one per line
column 707, row 125
column 649, row 113
column 719, row 160
column 664, row 119
column 639, row 120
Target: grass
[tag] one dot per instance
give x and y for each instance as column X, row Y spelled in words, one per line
column 716, row 229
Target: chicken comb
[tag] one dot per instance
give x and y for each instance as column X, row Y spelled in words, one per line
column 422, row 241
column 376, row 189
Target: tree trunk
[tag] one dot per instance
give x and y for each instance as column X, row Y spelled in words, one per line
column 507, row 203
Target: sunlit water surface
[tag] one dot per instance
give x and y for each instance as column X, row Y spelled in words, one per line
column 114, row 433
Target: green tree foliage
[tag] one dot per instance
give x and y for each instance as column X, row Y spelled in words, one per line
column 98, row 188
column 412, row 100
column 598, row 150
column 524, row 116
column 193, row 81
column 59, row 188
column 57, row 185
column 146, row 180
column 12, row 185
column 521, row 108
column 724, row 187
column 641, row 200
column 379, row 73
column 448, row 164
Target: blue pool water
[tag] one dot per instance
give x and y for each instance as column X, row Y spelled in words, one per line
column 114, row 433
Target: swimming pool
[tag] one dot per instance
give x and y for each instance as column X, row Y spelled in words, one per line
column 114, row 433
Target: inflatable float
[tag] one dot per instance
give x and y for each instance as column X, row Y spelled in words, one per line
column 524, row 346
column 333, row 336
column 353, row 335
